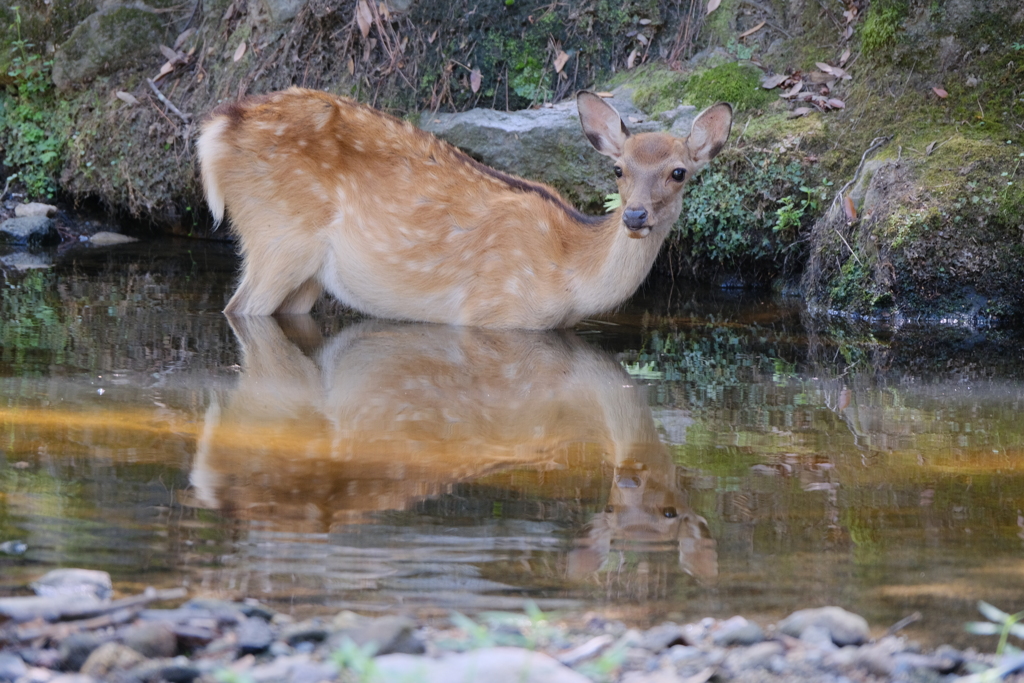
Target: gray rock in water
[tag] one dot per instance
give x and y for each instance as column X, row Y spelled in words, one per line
column 540, row 144
column 737, row 631
column 26, row 608
column 32, row 230
column 254, row 636
column 493, row 665
column 61, row 582
column 11, row 667
column 152, row 639
column 106, row 239
column 846, row 628
column 114, row 37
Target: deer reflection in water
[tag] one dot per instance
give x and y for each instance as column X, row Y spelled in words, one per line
column 384, row 415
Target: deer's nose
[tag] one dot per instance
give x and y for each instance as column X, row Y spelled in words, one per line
column 634, row 218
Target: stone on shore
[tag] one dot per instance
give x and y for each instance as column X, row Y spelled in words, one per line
column 34, row 209
column 845, row 628
column 31, row 230
column 492, row 664
column 60, row 582
column 111, row 657
column 152, row 639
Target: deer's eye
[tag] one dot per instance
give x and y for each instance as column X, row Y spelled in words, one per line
column 618, row 171
column 679, row 174
column 669, row 513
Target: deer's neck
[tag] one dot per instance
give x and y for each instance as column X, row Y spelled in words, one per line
column 612, row 265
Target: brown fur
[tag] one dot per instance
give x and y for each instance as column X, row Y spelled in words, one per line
column 325, row 193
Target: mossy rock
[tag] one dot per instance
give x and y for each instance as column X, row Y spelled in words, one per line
column 106, row 41
column 659, row 89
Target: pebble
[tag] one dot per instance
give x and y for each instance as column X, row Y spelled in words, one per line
column 12, row 667
column 254, row 636
column 152, row 639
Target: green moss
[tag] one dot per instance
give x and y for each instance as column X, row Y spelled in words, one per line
column 660, row 89
column 883, row 22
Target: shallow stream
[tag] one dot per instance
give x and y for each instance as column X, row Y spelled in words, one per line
column 695, row 455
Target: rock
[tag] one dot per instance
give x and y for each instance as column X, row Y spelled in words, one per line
column 61, row 582
column 12, row 667
column 392, row 634
column 110, row 657
column 76, row 648
column 254, row 636
column 21, row 260
column 313, row 672
column 757, row 656
column 493, row 665
column 25, row 608
column 34, row 209
column 662, row 637
column 540, row 144
column 31, row 230
column 819, row 637
column 112, row 38
column 284, row 10
column 106, row 239
column 304, row 631
column 845, row 628
column 737, row 631
column 153, row 639
column 177, row 670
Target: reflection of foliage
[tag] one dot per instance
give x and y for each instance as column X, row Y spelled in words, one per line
column 30, row 321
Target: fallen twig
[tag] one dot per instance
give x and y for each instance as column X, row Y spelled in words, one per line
column 160, row 96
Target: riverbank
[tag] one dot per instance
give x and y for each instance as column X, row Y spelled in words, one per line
column 74, row 631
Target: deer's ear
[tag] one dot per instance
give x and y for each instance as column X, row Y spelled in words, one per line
column 709, row 132
column 601, row 124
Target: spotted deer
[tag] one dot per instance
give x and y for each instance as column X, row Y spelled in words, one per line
column 327, row 194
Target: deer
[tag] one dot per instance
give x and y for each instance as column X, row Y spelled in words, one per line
column 325, row 193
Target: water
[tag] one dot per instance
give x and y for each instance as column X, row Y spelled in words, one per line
column 696, row 455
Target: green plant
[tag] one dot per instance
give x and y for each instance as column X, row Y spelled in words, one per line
column 790, row 214
column 881, row 25
column 612, row 202
column 356, row 660
column 26, row 125
column 999, row 623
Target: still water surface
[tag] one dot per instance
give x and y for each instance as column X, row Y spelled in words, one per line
column 706, row 455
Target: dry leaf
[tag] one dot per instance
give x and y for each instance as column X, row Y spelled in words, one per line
column 605, row 95
column 753, row 30
column 167, row 52
column 642, row 38
column 793, row 91
column 383, row 11
column 800, row 111
column 849, row 208
column 239, row 51
column 560, row 59
column 930, row 148
column 364, row 17
column 845, row 56
column 182, row 37
column 631, row 60
column 474, row 80
column 712, row 6
column 775, row 81
column 351, row 66
column 126, row 97
column 940, row 92
column 836, row 104
column 848, row 33
column 433, row 37
column 645, row 22
column 164, row 70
